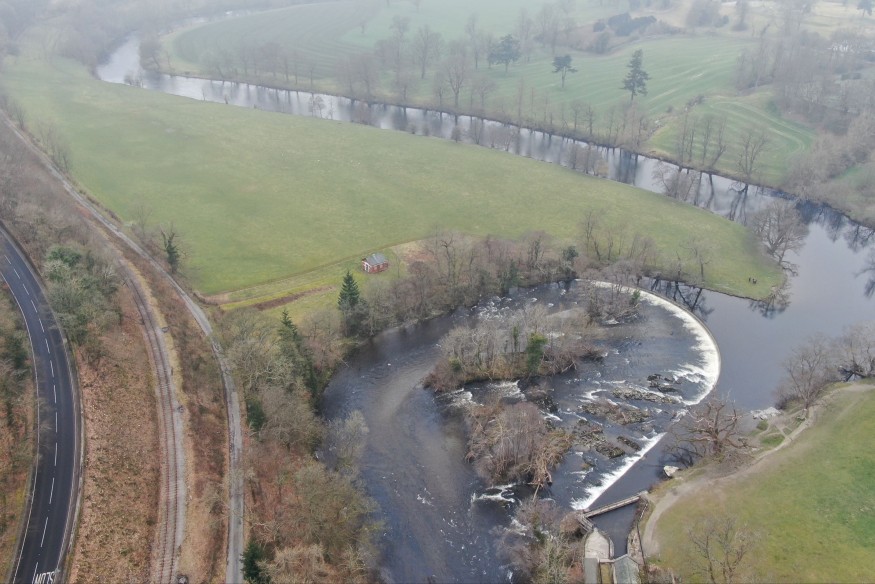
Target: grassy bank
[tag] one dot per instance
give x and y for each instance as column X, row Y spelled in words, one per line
column 812, row 502
column 260, row 197
column 681, row 67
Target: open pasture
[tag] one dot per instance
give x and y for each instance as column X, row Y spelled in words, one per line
column 811, row 504
column 259, row 197
column 682, row 68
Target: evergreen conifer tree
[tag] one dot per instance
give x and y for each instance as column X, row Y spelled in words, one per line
column 352, row 305
column 636, row 79
column 349, row 294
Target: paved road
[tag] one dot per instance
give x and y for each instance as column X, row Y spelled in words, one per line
column 40, row 559
column 236, row 500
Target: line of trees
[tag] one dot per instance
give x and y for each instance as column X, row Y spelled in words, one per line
column 457, row 270
column 820, row 361
column 712, row 429
column 309, row 518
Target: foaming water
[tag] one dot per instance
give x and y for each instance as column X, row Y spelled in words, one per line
column 707, row 371
column 612, row 477
column 442, row 521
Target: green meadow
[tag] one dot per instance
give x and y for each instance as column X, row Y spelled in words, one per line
column 681, row 67
column 812, row 504
column 260, row 197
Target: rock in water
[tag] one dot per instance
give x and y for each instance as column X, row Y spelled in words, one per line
column 670, row 471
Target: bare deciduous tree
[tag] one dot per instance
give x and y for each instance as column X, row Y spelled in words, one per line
column 346, row 441
column 677, row 182
column 713, row 142
column 753, row 143
column 856, row 351
column 482, row 86
column 701, row 254
column 708, row 430
column 779, row 226
column 427, row 46
column 810, row 368
column 723, row 547
column 456, row 71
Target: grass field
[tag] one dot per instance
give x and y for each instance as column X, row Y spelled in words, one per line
column 681, row 67
column 813, row 502
column 259, row 197
column 786, row 138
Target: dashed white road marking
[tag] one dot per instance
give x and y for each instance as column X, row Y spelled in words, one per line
column 52, row 492
column 7, row 259
column 34, row 305
column 16, row 273
column 41, row 325
column 52, row 365
column 55, row 391
column 56, row 454
column 56, row 422
column 42, row 540
column 26, row 291
column 48, row 348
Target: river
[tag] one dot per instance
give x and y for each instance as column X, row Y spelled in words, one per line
column 413, row 463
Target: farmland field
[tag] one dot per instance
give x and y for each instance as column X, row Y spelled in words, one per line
column 682, row 67
column 260, row 197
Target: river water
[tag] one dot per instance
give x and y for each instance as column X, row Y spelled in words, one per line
column 438, row 522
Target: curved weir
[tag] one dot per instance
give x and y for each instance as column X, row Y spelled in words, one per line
column 441, row 519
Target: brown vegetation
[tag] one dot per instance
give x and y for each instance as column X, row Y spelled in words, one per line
column 549, row 548
column 513, row 442
column 708, row 431
column 522, row 344
column 723, row 548
column 819, row 361
column 115, row 533
column 206, row 441
column 307, row 519
column 122, row 458
column 16, row 426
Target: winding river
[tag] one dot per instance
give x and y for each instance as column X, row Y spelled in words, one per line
column 438, row 516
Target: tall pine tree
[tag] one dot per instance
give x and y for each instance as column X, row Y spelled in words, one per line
column 636, row 79
column 351, row 305
column 350, row 295
column 298, row 354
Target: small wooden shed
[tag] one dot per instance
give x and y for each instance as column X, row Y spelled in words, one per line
column 376, row 262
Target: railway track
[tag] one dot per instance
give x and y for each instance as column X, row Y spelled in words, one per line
column 171, row 515
column 236, row 499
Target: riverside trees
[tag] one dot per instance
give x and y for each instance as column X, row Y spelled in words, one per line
column 523, row 343
column 709, row 430
column 819, row 361
column 306, row 516
column 780, row 228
